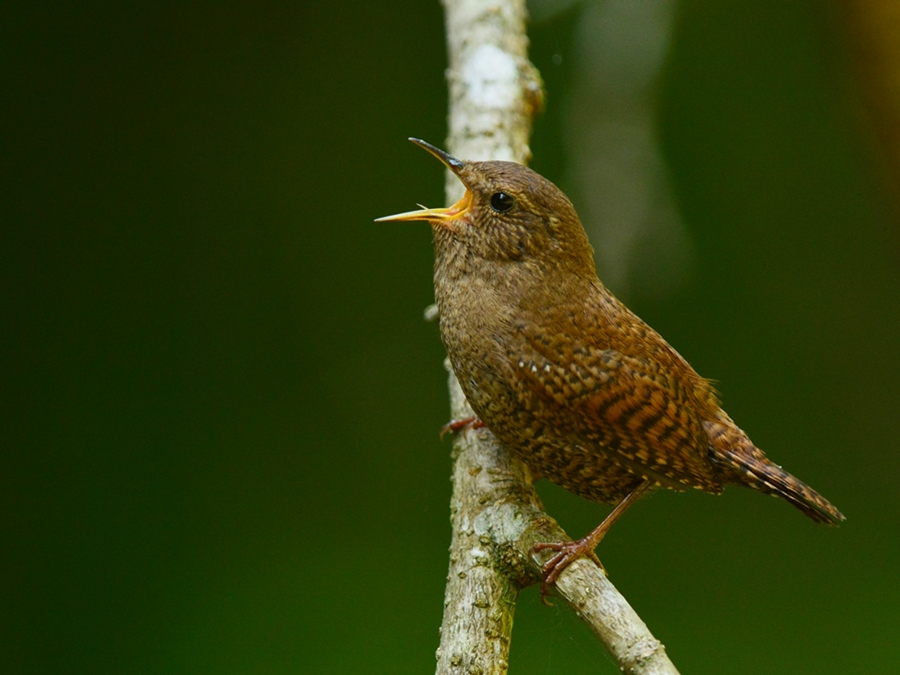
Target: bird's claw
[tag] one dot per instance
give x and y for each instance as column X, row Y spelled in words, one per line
column 567, row 552
column 453, row 426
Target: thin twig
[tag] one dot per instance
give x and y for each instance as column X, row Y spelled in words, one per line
column 495, row 513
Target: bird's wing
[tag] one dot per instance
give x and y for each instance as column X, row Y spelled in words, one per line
column 637, row 412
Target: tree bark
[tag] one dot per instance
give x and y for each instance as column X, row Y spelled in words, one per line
column 496, row 516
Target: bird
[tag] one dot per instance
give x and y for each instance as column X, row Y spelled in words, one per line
column 563, row 373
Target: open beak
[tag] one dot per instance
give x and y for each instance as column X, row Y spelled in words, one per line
column 443, row 216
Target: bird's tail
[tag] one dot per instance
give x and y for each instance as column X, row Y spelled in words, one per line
column 747, row 465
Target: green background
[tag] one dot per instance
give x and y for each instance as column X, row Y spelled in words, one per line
column 220, row 403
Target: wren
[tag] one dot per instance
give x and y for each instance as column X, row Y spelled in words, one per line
column 566, row 376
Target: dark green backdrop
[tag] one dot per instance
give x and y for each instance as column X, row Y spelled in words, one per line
column 220, row 404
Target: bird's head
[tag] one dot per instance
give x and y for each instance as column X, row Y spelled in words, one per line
column 508, row 214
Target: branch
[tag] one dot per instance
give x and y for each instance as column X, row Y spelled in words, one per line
column 495, row 513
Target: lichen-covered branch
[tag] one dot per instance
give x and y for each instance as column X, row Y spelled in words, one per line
column 495, row 513
column 494, row 90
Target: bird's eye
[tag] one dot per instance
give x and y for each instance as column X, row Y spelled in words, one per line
column 502, row 202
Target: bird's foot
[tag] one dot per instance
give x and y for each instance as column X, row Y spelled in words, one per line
column 567, row 552
column 454, row 426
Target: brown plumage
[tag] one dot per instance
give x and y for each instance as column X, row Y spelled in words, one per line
column 564, row 374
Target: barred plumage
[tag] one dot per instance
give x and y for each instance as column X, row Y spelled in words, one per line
column 563, row 373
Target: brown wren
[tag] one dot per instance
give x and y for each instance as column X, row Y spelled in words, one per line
column 564, row 374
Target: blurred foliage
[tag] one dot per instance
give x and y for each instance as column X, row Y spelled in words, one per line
column 220, row 403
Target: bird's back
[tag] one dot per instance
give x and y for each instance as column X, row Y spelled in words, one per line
column 597, row 401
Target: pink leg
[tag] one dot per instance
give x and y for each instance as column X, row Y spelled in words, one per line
column 569, row 551
column 454, row 426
